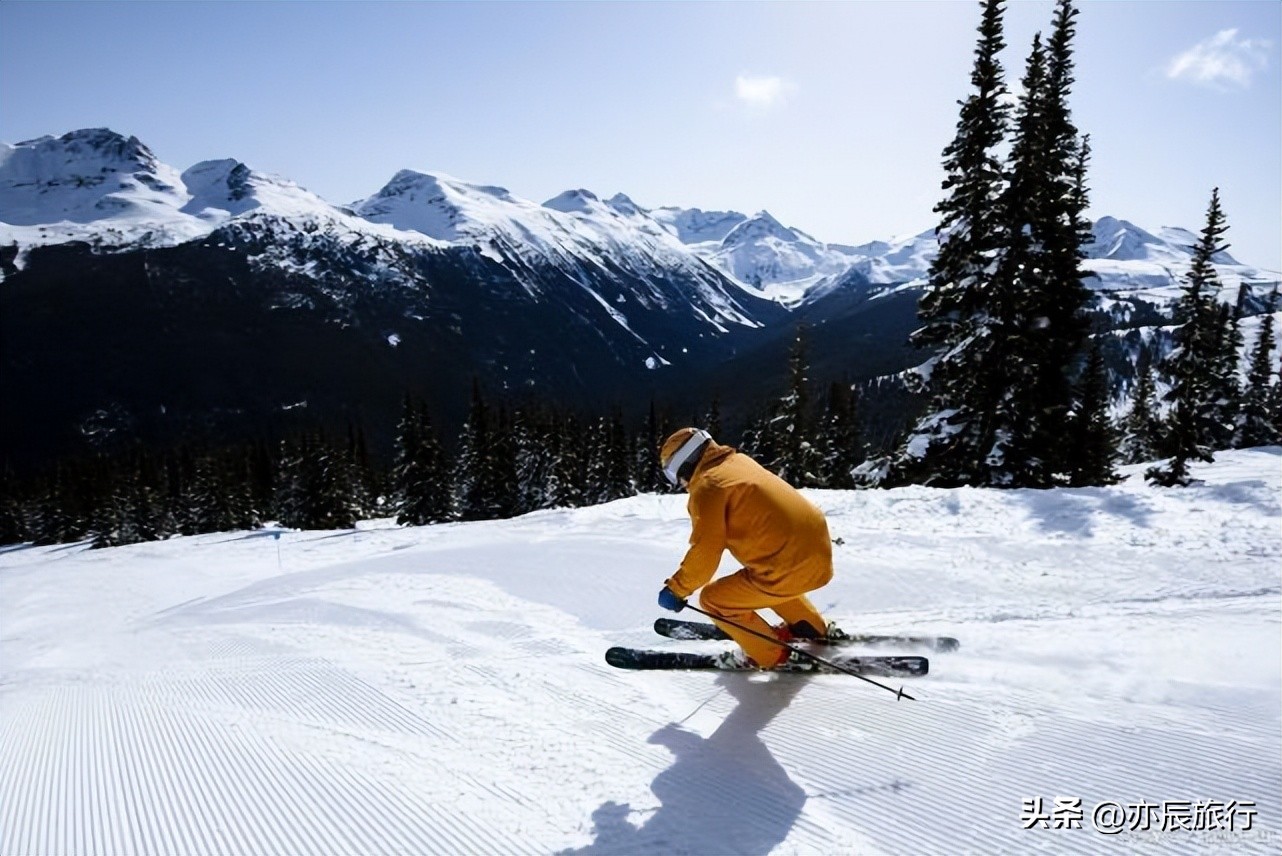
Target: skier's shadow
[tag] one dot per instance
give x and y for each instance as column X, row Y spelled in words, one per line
column 725, row 793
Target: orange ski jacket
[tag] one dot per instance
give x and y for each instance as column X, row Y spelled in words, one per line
column 778, row 536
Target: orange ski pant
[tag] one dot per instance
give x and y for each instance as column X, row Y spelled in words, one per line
column 737, row 597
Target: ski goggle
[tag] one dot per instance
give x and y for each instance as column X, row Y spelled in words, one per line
column 687, row 449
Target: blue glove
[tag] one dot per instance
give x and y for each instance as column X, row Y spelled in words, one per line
column 669, row 600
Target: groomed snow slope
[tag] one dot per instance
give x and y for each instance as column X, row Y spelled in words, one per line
column 442, row 689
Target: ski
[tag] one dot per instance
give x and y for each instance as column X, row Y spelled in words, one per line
column 636, row 658
column 698, row 630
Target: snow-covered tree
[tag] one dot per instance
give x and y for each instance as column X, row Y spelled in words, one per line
column 316, row 485
column 839, row 438
column 649, row 478
column 1258, row 425
column 1092, row 437
column 948, row 444
column 1142, row 428
column 566, row 482
column 477, row 493
column 1225, row 393
column 796, row 459
column 1191, row 367
column 420, row 477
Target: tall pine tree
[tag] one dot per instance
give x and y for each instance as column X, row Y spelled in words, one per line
column 1141, row 429
column 1092, row 437
column 948, row 444
column 1062, row 299
column 1039, row 299
column 1191, row 367
column 420, row 477
column 840, row 441
column 1258, row 425
column 1226, row 387
column 796, row 459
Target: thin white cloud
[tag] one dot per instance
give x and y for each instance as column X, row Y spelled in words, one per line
column 1221, row 61
column 760, row 91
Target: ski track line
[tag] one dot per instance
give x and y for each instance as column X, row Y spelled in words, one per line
column 1221, row 774
column 127, row 768
column 309, row 690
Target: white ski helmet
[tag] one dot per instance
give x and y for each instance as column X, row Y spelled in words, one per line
column 680, row 453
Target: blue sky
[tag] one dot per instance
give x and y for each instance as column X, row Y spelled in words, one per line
column 832, row 116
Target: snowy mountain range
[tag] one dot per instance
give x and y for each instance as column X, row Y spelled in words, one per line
column 111, row 191
column 432, row 280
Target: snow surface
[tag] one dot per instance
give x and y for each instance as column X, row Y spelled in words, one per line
column 442, row 689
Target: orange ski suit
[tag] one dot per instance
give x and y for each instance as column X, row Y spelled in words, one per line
column 772, row 530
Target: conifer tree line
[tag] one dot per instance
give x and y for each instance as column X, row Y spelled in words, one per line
column 1016, row 392
column 806, row 442
column 310, row 480
column 504, row 461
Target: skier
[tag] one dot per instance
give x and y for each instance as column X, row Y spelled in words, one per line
column 772, row 530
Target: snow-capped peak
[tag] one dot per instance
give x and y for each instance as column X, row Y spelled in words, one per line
column 99, row 186
column 575, row 202
column 82, row 177
column 439, row 205
column 624, row 205
column 223, row 188
column 1121, row 240
column 758, row 227
column 696, row 226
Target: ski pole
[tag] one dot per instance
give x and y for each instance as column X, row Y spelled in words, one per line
column 899, row 693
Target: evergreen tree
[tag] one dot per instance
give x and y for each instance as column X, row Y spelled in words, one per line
column 58, row 516
column 420, row 477
column 365, row 488
column 13, row 524
column 262, row 477
column 1275, row 403
column 501, row 469
column 1038, row 295
column 148, row 506
column 759, row 440
column 608, row 471
column 288, row 497
column 477, row 493
column 1093, row 439
column 316, row 485
column 1060, row 302
column 566, row 483
column 1226, row 388
column 840, row 440
column 1142, row 429
column 1015, row 324
column 619, row 481
column 712, row 420
column 795, row 458
column 218, row 497
column 1259, row 425
column 948, row 444
column 596, row 477
column 329, row 487
column 109, row 523
column 1191, row 366
column 530, row 448
column 650, row 477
